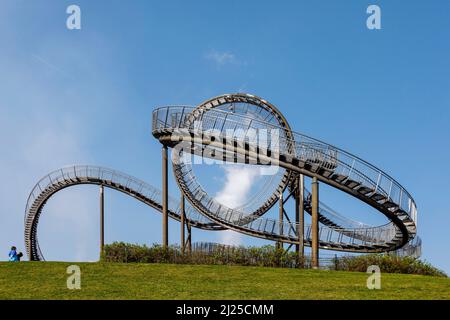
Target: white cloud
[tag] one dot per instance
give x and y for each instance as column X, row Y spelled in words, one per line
column 239, row 180
column 221, row 58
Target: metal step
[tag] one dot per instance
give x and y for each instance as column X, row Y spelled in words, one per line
column 390, row 204
column 364, row 190
column 352, row 184
column 338, row 177
column 377, row 197
column 325, row 172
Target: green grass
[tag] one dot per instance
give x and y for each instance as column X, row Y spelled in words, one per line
column 47, row 280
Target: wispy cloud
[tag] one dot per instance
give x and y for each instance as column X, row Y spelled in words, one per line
column 242, row 88
column 50, row 65
column 221, row 58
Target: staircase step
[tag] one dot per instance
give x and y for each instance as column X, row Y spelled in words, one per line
column 390, row 204
column 352, row 184
column 380, row 245
column 313, row 167
column 338, row 177
column 377, row 197
column 325, row 172
column 301, row 163
column 364, row 190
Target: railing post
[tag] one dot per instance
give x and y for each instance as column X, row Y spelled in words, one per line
column 378, row 182
column 299, row 218
column 315, row 224
column 165, row 216
column 181, row 118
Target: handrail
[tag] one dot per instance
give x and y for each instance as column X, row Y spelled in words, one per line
column 203, row 211
column 351, row 167
column 319, row 142
column 378, row 172
column 86, row 174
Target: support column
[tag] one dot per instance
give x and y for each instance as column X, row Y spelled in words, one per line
column 189, row 239
column 315, row 224
column 280, row 220
column 102, row 221
column 165, row 202
column 300, row 218
column 183, row 223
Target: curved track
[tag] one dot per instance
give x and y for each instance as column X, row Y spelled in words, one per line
column 77, row 175
column 218, row 129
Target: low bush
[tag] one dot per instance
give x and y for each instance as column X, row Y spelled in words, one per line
column 266, row 256
column 203, row 253
column 388, row 263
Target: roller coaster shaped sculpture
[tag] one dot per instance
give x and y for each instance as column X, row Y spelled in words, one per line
column 219, row 129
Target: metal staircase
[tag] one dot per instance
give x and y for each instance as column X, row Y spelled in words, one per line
column 219, row 129
column 296, row 153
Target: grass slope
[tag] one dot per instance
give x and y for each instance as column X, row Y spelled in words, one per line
column 47, row 280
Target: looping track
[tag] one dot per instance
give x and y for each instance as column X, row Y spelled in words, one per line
column 219, row 129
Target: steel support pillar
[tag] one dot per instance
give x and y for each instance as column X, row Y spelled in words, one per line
column 315, row 224
column 280, row 221
column 183, row 223
column 189, row 239
column 102, row 221
column 165, row 202
column 300, row 217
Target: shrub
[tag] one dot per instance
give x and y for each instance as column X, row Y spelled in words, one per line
column 203, row 253
column 266, row 256
column 389, row 264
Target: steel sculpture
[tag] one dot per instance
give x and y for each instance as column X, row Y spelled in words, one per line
column 224, row 128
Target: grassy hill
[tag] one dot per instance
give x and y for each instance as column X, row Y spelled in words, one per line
column 47, row 280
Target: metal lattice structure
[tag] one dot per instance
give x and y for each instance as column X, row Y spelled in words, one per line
column 220, row 129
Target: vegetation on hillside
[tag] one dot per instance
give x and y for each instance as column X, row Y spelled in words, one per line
column 388, row 264
column 266, row 256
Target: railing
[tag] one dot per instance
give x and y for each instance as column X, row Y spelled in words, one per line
column 306, row 149
column 251, row 257
column 411, row 249
column 285, row 230
column 88, row 174
column 325, row 154
column 236, row 127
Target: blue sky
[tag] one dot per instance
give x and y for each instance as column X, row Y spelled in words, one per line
column 86, row 96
